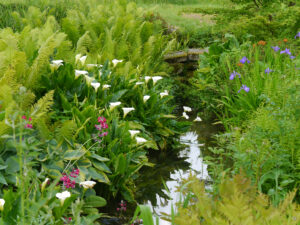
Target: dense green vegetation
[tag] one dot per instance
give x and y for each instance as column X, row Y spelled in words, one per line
column 85, row 95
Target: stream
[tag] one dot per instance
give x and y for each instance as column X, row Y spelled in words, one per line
column 190, row 160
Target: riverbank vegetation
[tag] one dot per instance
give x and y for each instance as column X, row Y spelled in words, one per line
column 85, row 95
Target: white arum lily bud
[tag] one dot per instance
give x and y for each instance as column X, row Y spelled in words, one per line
column 127, row 110
column 198, row 119
column 63, row 196
column 88, row 79
column 2, row 202
column 156, row 78
column 88, row 184
column 187, row 109
column 140, row 140
column 163, row 94
column 77, row 57
column 90, row 66
column 147, row 78
column 185, row 115
column 45, row 183
column 56, row 63
column 133, row 132
column 80, row 72
column 106, row 86
column 82, row 59
column 116, row 61
column 95, row 85
column 112, row 105
column 139, row 83
column 146, row 97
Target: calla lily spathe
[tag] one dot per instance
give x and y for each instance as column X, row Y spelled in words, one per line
column 156, row 78
column 140, row 140
column 106, row 86
column 112, row 105
column 139, row 83
column 95, row 85
column 187, row 109
column 2, row 202
column 133, row 132
column 185, row 115
column 80, row 72
column 63, row 196
column 116, row 61
column 89, row 79
column 163, row 94
column 198, row 119
column 147, row 78
column 80, row 58
column 127, row 110
column 146, row 97
column 55, row 64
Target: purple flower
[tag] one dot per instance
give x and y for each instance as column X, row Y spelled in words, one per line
column 276, row 48
column 292, row 57
column 244, row 59
column 297, row 35
column 268, row 70
column 286, row 51
column 233, row 75
column 245, row 88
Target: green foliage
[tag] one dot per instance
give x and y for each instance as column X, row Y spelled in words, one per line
column 237, row 203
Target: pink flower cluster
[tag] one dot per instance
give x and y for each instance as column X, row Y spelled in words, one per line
column 122, row 206
column 29, row 124
column 67, row 182
column 101, row 126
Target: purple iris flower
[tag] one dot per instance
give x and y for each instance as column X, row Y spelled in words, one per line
column 276, row 48
column 286, row 51
column 292, row 57
column 297, row 35
column 268, row 70
column 233, row 75
column 244, row 59
column 245, row 88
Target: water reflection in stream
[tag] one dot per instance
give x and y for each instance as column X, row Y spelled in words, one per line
column 172, row 170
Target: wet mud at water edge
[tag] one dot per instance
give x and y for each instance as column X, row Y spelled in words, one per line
column 157, row 187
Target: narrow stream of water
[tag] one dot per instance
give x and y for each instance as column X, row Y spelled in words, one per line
column 196, row 141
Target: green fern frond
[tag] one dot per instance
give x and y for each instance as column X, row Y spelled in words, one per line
column 43, row 105
column 66, row 130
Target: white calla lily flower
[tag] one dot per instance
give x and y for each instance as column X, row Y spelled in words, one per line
column 80, row 72
column 88, row 184
column 95, row 85
column 146, row 97
column 90, row 66
column 198, row 119
column 147, row 78
column 89, row 79
column 156, row 78
column 106, row 86
column 116, row 61
column 139, row 83
column 140, row 140
column 77, row 57
column 187, row 109
column 133, row 132
column 2, row 202
column 63, row 196
column 55, row 64
column 112, row 105
column 45, row 183
column 163, row 94
column 82, row 59
column 127, row 110
column 185, row 115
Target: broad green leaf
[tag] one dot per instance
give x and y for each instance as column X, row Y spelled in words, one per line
column 98, row 175
column 73, row 154
column 94, row 201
